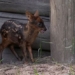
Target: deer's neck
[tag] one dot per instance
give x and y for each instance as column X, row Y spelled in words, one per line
column 31, row 34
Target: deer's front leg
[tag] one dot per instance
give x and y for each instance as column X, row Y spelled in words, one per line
column 23, row 46
column 30, row 53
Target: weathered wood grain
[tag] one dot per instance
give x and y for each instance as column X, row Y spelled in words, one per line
column 20, row 6
column 62, row 30
column 22, row 18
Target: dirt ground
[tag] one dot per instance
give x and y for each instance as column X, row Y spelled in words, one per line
column 42, row 66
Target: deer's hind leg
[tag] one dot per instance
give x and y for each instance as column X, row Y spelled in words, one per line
column 3, row 45
column 13, row 51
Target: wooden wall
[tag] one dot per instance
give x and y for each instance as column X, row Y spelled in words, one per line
column 20, row 6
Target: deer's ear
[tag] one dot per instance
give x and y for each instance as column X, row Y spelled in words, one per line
column 36, row 13
column 29, row 15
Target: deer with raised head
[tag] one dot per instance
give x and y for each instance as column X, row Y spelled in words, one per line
column 15, row 33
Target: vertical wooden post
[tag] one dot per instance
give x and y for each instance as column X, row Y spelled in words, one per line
column 61, row 30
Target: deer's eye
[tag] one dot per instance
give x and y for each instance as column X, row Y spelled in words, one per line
column 40, row 24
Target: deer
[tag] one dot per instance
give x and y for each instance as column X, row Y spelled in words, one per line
column 14, row 32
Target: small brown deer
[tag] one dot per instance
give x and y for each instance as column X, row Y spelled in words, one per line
column 16, row 33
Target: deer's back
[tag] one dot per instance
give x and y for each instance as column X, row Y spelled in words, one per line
column 13, row 30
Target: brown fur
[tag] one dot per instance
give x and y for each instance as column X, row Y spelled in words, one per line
column 14, row 32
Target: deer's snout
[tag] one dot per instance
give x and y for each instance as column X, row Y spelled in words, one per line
column 45, row 29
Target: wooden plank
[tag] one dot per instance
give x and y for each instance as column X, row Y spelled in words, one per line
column 21, row 6
column 19, row 16
column 22, row 18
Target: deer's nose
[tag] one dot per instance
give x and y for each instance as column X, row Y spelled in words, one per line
column 45, row 29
